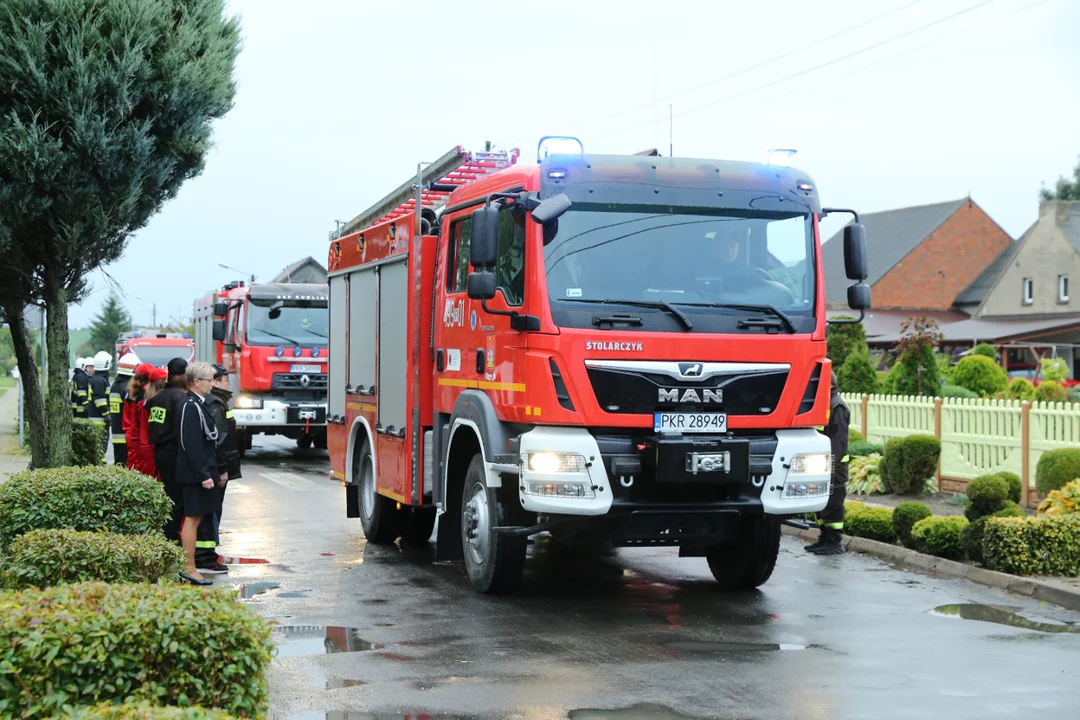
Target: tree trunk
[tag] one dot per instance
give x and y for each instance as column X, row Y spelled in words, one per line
column 58, row 402
column 34, row 404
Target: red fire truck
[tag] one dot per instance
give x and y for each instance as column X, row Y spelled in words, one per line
column 624, row 347
column 155, row 347
column 272, row 337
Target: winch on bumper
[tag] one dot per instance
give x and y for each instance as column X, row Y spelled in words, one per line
column 669, row 489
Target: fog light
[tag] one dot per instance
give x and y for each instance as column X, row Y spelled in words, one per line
column 551, row 463
column 817, row 464
column 568, row 490
column 246, row 402
column 806, row 489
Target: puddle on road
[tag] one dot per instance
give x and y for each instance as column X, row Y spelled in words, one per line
column 242, row 561
column 1002, row 615
column 641, row 711
column 352, row 715
column 295, row 594
column 726, row 647
column 249, row 590
column 300, row 640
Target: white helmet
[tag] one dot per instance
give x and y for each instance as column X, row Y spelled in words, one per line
column 80, row 362
column 102, row 360
column 126, row 365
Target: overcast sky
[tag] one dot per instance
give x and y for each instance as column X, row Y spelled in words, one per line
column 339, row 99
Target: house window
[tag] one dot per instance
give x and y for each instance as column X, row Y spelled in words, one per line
column 1063, row 288
column 1029, row 291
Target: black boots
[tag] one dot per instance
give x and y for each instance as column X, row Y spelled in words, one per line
column 828, row 544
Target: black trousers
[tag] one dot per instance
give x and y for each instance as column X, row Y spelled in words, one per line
column 165, row 459
column 119, row 451
column 832, row 516
column 207, row 540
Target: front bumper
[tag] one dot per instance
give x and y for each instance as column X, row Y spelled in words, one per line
column 275, row 413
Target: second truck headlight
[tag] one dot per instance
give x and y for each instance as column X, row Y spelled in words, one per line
column 813, row 464
column 246, row 402
column 551, row 463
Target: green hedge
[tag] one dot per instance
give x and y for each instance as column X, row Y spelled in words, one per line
column 972, row 536
column 108, row 497
column 986, row 350
column 87, row 448
column 904, row 517
column 981, row 375
column 908, row 462
column 1044, row 545
column 1016, row 485
column 91, row 643
column 861, row 448
column 1056, row 468
column 873, row 523
column 955, row 391
column 854, row 436
column 987, row 494
column 940, row 536
column 41, row 558
column 1022, row 389
column 145, row 711
column 1051, row 391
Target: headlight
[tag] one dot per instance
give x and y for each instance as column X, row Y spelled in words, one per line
column 817, row 464
column 551, row 463
column 246, row 402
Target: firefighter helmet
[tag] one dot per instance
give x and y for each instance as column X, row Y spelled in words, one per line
column 80, row 363
column 102, row 360
column 126, row 365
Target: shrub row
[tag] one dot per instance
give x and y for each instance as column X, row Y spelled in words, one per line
column 169, row 645
column 41, row 558
column 873, row 523
column 940, row 536
column 87, row 447
column 1044, row 545
column 145, row 711
column 1056, row 468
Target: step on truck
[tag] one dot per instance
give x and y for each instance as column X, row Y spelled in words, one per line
column 618, row 348
column 273, row 339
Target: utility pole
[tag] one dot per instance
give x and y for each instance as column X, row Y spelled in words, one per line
column 154, row 311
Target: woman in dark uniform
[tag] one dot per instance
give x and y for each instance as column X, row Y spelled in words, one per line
column 196, row 463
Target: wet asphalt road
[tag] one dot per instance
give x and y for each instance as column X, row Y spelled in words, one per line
column 371, row 631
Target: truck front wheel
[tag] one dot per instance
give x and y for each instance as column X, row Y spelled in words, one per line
column 749, row 561
column 379, row 515
column 493, row 561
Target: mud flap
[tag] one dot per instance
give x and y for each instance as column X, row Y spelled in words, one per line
column 352, row 501
column 448, row 540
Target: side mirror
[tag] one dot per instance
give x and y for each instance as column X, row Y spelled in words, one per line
column 484, row 243
column 219, row 330
column 551, row 209
column 220, row 309
column 858, row 296
column 855, row 261
column 275, row 310
column 481, row 285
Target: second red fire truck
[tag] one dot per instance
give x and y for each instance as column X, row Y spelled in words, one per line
column 618, row 346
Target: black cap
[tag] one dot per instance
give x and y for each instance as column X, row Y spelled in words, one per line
column 220, row 371
column 177, row 366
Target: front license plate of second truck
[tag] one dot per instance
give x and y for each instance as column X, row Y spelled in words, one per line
column 676, row 422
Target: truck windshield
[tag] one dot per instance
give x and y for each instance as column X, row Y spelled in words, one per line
column 697, row 262
column 160, row 355
column 293, row 326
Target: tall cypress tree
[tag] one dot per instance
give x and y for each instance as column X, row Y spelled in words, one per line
column 110, row 322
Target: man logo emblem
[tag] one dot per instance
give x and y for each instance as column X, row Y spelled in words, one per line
column 690, row 369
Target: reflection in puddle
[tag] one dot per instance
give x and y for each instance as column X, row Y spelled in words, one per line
column 296, row 641
column 642, row 711
column 695, row 646
column 1002, row 616
column 250, row 590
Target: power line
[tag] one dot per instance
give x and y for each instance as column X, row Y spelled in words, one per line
column 812, row 69
column 742, row 71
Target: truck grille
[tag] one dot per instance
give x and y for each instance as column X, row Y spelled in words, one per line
column 296, row 381
column 629, row 392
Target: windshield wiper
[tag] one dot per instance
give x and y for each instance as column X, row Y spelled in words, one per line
column 274, row 334
column 658, row 304
column 784, row 319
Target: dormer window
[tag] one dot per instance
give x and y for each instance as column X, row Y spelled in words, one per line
column 1063, row 288
column 1029, row 291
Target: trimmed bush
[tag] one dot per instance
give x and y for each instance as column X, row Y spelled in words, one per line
column 1016, row 485
column 91, row 643
column 41, row 558
column 1044, row 545
column 854, row 436
column 1056, row 468
column 955, row 391
column 1021, row 389
column 873, row 523
column 865, row 447
column 904, row 517
column 843, row 340
column 86, row 443
column 981, row 375
column 908, row 462
column 971, row 539
column 1051, row 391
column 940, row 536
column 145, row 711
column 1065, row 501
column 1055, row 369
column 75, row 498
column 986, row 350
column 987, row 494
column 857, row 375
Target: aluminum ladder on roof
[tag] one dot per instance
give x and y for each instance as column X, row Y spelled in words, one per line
column 455, row 169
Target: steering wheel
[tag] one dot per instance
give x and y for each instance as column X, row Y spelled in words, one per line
column 755, row 272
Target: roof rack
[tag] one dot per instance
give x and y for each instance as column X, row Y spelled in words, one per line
column 455, row 169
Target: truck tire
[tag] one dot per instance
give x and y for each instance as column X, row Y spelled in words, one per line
column 320, row 440
column 304, row 442
column 493, row 562
column 379, row 515
column 418, row 526
column 749, row 561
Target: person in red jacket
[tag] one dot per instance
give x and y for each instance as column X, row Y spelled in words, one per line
column 137, row 423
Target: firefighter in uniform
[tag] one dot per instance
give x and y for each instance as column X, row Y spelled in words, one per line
column 118, row 393
column 97, row 406
column 228, row 462
column 80, row 387
column 831, row 519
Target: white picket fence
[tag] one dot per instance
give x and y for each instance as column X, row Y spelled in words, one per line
column 977, row 436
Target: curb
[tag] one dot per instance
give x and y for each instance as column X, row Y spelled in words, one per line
column 1029, row 587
